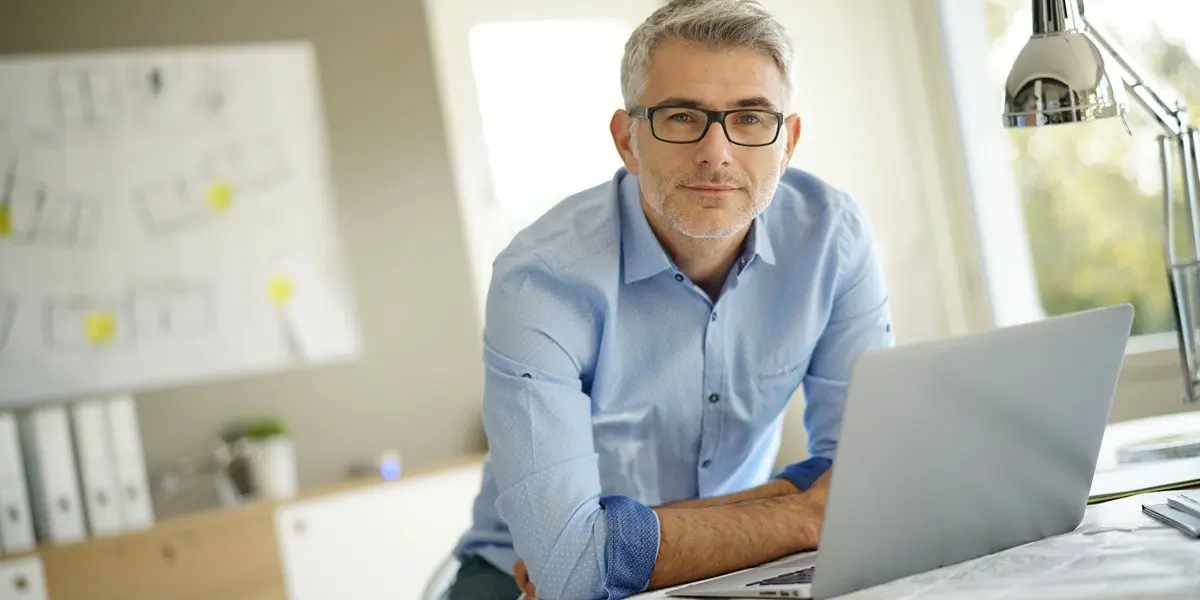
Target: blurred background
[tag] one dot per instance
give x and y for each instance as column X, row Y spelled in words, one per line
column 441, row 128
column 437, row 160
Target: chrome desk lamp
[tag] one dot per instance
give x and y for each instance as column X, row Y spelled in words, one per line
column 1072, row 72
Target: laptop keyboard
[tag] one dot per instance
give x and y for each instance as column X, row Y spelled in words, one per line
column 801, row 576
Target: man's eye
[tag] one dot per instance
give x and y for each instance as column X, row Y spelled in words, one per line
column 748, row 119
column 680, row 117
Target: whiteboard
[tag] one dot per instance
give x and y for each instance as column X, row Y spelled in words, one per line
column 166, row 217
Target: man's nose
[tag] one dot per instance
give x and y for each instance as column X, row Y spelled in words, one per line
column 714, row 147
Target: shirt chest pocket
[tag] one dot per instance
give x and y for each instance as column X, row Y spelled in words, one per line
column 774, row 387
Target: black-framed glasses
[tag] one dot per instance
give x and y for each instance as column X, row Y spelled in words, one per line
column 686, row 124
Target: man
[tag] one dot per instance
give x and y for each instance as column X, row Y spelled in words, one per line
column 644, row 337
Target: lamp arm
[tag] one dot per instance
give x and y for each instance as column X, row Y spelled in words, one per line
column 1180, row 147
column 1159, row 99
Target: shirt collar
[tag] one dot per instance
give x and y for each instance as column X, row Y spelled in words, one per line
column 758, row 241
column 644, row 257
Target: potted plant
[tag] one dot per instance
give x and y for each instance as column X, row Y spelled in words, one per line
column 271, row 458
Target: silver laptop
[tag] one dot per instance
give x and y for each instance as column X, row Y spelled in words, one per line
column 954, row 449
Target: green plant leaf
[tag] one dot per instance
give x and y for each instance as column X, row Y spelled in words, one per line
column 265, row 428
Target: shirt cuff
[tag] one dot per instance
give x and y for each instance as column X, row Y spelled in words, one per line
column 631, row 549
column 804, row 473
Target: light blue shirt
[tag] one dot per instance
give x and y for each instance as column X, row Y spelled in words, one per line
column 614, row 384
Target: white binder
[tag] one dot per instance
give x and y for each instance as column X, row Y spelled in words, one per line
column 132, row 482
column 23, row 579
column 16, row 519
column 50, row 470
column 97, row 472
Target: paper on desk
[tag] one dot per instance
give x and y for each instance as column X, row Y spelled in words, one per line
column 1117, row 552
column 1138, row 478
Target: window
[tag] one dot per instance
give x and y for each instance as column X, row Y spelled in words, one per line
column 546, row 92
column 528, row 89
column 1091, row 194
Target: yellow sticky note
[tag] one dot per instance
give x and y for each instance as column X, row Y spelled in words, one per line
column 280, row 290
column 220, row 196
column 6, row 226
column 100, row 326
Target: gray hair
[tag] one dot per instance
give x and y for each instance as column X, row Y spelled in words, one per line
column 712, row 23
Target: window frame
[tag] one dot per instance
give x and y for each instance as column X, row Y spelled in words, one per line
column 449, row 23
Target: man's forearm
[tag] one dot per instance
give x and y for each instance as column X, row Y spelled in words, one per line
column 771, row 489
column 698, row 543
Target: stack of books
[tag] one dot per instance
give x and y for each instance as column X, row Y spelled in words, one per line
column 1181, row 511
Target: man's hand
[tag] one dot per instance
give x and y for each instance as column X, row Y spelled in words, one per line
column 523, row 582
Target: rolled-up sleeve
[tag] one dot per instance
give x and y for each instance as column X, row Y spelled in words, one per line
column 859, row 320
column 540, row 332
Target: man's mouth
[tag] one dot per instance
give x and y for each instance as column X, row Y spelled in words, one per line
column 711, row 187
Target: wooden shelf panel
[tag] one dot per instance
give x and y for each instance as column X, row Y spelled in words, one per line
column 227, row 553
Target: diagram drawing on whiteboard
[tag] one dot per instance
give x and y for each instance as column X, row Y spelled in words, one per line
column 148, row 311
column 86, row 97
column 253, row 167
column 171, row 205
column 162, row 91
column 86, row 322
column 225, row 176
column 8, row 316
column 169, row 310
column 32, row 213
column 147, row 92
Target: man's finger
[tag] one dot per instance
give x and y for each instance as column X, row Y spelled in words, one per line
column 521, row 575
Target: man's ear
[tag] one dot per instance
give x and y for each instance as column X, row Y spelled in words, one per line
column 622, row 138
column 791, row 127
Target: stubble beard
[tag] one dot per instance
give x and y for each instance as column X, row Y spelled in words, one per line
column 673, row 208
column 671, row 203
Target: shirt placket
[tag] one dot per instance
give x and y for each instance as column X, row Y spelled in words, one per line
column 715, row 403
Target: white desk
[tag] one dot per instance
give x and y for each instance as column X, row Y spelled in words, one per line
column 1116, row 553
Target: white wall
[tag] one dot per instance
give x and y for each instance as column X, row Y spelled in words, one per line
column 870, row 125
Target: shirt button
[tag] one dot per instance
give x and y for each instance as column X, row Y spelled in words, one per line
column 714, row 398
column 714, row 316
column 706, row 464
column 678, row 277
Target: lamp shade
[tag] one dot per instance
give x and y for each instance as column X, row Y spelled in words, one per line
column 1060, row 76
